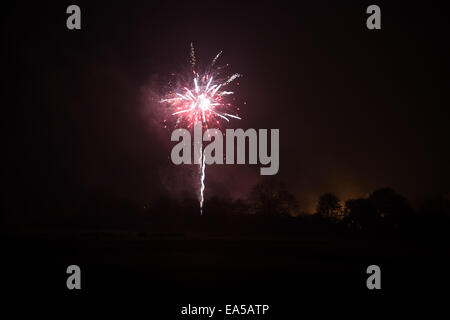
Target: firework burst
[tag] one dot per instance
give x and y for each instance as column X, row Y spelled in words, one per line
column 204, row 99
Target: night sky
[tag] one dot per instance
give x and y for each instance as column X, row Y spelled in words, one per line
column 357, row 109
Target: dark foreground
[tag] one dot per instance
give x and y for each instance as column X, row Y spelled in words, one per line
column 180, row 267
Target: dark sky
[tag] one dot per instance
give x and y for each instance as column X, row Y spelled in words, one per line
column 357, row 109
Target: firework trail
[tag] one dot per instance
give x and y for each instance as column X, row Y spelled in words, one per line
column 202, row 183
column 192, row 56
column 202, row 99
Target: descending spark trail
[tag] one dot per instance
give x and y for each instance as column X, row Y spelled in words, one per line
column 202, row 99
column 202, row 184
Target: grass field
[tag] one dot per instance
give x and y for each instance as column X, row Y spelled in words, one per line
column 215, row 267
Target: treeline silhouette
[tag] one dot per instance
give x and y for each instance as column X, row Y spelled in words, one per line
column 269, row 209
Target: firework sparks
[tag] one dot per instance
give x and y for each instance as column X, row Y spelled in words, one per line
column 202, row 183
column 202, row 99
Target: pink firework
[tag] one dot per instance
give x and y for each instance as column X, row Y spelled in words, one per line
column 202, row 99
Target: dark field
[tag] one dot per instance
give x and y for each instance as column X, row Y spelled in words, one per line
column 181, row 267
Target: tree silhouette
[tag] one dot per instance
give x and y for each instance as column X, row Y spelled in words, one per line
column 270, row 197
column 328, row 206
column 362, row 213
column 391, row 206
